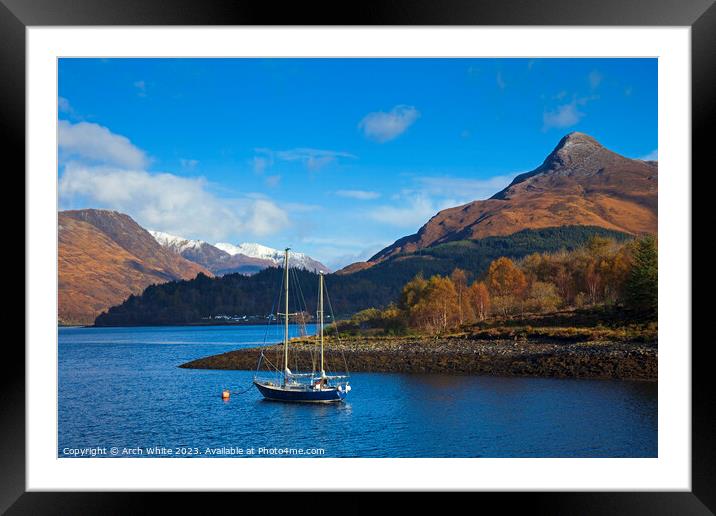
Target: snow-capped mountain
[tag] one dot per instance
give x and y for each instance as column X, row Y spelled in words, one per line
column 223, row 258
column 176, row 243
column 262, row 252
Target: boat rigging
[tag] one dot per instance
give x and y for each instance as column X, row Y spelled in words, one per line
column 315, row 386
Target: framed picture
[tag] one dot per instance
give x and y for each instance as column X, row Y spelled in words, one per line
column 439, row 226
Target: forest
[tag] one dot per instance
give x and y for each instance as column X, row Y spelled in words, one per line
column 604, row 273
column 382, row 287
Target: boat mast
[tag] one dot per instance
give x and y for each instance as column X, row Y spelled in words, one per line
column 320, row 310
column 285, row 331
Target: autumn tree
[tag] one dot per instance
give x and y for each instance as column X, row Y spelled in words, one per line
column 507, row 284
column 430, row 305
column 504, row 278
column 437, row 310
column 412, row 292
column 459, row 280
column 542, row 297
column 479, row 300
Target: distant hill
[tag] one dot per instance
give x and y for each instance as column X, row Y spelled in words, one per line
column 235, row 294
column 579, row 183
column 211, row 257
column 275, row 256
column 223, row 258
column 105, row 256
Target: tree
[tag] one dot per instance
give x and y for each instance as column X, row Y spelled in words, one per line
column 459, row 280
column 413, row 292
column 543, row 297
column 507, row 284
column 393, row 320
column 435, row 310
column 504, row 278
column 642, row 284
column 479, row 300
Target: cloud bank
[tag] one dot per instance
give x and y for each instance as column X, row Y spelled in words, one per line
column 94, row 143
column 105, row 170
column 170, row 203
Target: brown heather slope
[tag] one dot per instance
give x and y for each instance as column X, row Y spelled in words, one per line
column 103, row 257
column 580, row 183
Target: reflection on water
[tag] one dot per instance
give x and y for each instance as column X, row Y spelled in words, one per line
column 148, row 401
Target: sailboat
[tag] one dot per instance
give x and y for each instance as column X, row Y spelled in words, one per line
column 312, row 387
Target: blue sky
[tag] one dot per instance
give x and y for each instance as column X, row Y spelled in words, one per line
column 333, row 157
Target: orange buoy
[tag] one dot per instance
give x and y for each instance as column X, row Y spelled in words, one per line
column 225, row 395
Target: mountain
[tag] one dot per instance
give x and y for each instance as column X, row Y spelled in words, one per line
column 104, row 257
column 298, row 260
column 214, row 259
column 194, row 301
column 580, row 183
column 580, row 191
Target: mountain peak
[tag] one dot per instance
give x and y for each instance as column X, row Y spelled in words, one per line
column 573, row 147
column 581, row 182
column 571, row 153
column 575, row 138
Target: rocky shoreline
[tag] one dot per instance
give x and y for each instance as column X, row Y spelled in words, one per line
column 461, row 355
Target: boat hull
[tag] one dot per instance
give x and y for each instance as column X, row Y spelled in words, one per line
column 276, row 393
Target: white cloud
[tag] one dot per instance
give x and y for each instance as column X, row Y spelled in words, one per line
column 97, row 144
column 337, row 258
column 337, row 252
column 361, row 195
column 413, row 207
column 170, row 203
column 382, row 127
column 464, row 188
column 265, row 217
column 312, row 159
column 565, row 115
column 411, row 212
column 652, row 156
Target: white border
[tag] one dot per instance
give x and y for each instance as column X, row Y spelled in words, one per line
column 670, row 471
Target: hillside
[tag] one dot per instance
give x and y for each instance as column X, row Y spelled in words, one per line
column 235, row 294
column 103, row 257
column 579, row 183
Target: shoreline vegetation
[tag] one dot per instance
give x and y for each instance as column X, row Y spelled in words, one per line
column 564, row 344
column 586, row 313
column 236, row 295
column 462, row 354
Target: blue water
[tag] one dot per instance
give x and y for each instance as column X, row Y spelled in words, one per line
column 121, row 388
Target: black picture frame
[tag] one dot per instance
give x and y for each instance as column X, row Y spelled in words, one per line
column 700, row 15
